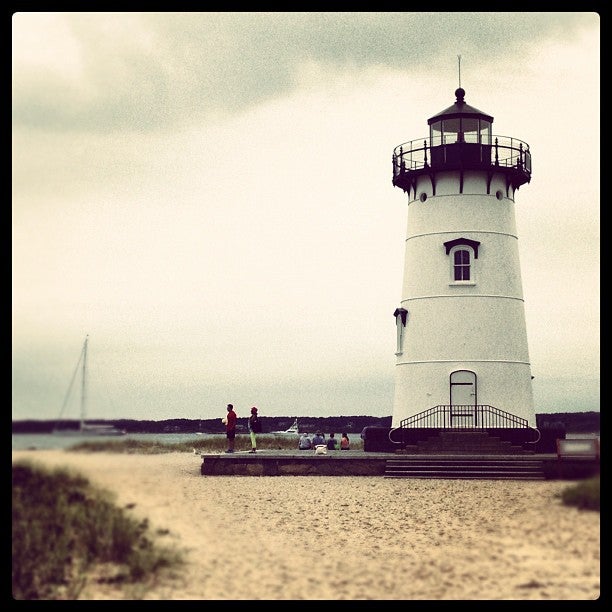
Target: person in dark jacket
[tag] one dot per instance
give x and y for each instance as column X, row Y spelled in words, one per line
column 318, row 439
column 332, row 443
column 254, row 428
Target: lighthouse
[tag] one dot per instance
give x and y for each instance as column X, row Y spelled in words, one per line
column 462, row 356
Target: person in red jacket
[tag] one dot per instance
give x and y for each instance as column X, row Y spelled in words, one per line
column 230, row 428
column 344, row 442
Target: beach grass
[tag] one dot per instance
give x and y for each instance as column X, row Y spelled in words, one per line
column 203, row 444
column 64, row 531
column 584, row 494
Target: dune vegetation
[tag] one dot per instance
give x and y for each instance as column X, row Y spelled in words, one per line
column 203, row 444
column 584, row 494
column 67, row 532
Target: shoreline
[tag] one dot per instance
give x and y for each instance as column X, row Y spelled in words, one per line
column 349, row 537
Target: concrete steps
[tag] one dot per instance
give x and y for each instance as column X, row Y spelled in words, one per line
column 463, row 442
column 465, row 468
column 464, row 454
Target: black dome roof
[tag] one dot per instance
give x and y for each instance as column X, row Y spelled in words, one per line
column 460, row 109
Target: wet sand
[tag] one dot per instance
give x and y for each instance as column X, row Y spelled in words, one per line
column 349, row 538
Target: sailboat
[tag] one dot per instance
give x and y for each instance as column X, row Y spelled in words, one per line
column 85, row 429
column 292, row 431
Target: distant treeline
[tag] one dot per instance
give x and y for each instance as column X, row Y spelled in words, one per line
column 574, row 422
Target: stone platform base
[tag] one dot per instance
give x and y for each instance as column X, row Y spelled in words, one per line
column 360, row 463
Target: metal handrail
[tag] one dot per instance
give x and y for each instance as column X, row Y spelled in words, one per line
column 482, row 416
column 505, row 151
column 453, row 416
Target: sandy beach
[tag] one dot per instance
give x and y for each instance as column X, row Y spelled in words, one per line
column 349, row 538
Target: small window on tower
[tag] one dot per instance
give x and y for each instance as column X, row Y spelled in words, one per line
column 463, row 255
column 462, row 265
column 400, row 314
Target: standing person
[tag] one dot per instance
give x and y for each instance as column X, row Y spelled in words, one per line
column 332, row 443
column 230, row 428
column 345, row 443
column 254, row 428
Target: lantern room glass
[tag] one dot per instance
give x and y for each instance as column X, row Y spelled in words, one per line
column 460, row 129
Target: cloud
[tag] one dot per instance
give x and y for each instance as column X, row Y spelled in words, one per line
column 209, row 196
column 102, row 72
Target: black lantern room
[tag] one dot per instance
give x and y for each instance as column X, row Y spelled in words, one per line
column 460, row 139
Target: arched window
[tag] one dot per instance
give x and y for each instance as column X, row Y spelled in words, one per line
column 463, row 252
column 461, row 265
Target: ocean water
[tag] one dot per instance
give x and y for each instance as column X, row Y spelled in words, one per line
column 58, row 441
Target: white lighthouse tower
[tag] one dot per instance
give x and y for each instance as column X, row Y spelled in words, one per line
column 462, row 354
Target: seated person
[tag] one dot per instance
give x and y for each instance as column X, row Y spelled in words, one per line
column 332, row 443
column 304, row 443
column 344, row 442
column 318, row 439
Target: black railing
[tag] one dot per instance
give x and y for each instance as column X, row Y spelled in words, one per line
column 480, row 416
column 423, row 154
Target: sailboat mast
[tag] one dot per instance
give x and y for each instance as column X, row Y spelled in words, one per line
column 83, row 385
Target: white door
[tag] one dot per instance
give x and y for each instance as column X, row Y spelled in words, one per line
column 463, row 388
column 463, row 398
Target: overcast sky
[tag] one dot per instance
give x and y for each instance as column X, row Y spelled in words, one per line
column 209, row 197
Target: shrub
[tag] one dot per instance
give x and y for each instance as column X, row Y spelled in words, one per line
column 63, row 527
column 584, row 495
